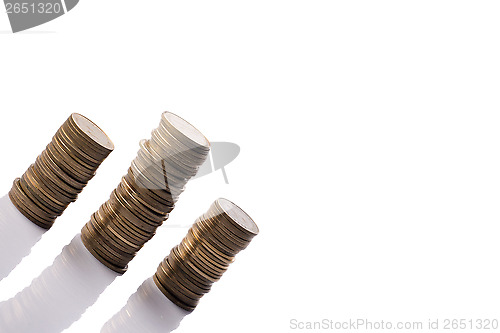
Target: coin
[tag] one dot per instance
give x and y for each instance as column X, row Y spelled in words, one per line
column 61, row 171
column 205, row 254
column 146, row 194
column 89, row 132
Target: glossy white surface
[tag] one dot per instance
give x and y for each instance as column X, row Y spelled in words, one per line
column 59, row 296
column 147, row 311
column 17, row 236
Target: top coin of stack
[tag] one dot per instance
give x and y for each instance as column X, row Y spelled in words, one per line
column 62, row 171
column 147, row 193
column 205, row 254
column 172, row 156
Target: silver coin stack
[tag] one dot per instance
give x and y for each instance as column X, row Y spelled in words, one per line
column 147, row 194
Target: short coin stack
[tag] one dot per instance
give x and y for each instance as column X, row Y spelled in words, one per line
column 61, row 172
column 147, row 193
column 205, row 253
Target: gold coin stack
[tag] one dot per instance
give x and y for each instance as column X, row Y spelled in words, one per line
column 205, row 253
column 61, row 172
column 147, row 193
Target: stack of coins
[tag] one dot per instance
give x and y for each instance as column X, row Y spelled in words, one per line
column 61, row 172
column 205, row 253
column 147, row 193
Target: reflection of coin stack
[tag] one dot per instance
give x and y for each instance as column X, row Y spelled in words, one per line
column 61, row 172
column 147, row 193
column 205, row 254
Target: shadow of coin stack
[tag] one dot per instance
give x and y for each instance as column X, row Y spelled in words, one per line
column 204, row 254
column 147, row 193
column 61, row 172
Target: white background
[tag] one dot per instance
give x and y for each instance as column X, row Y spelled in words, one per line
column 370, row 147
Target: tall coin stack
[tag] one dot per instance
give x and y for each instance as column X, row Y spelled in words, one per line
column 147, row 193
column 205, row 253
column 61, row 172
